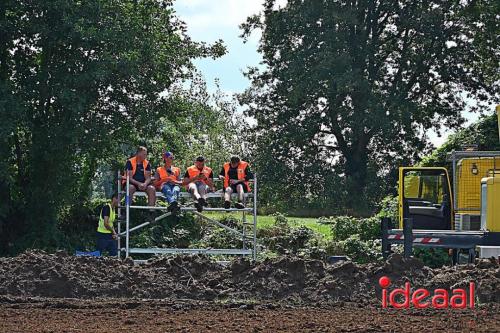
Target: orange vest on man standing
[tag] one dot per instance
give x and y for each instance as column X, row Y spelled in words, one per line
column 193, row 171
column 133, row 162
column 165, row 176
column 242, row 165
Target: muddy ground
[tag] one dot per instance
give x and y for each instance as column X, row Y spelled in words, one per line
column 64, row 315
column 42, row 292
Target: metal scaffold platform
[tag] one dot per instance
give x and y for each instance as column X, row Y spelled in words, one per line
column 246, row 230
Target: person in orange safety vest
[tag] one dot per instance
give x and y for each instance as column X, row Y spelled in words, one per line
column 139, row 171
column 198, row 180
column 235, row 175
column 167, row 180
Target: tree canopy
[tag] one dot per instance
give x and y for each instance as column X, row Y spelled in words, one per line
column 349, row 89
column 77, row 80
column 483, row 134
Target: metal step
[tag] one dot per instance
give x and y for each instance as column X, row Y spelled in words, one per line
column 489, row 251
column 190, row 209
column 189, row 251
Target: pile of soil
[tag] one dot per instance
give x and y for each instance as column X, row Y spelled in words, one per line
column 197, row 277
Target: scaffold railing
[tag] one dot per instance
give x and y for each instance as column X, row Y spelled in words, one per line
column 247, row 231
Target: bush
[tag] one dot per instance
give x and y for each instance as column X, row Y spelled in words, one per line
column 314, row 252
column 283, row 239
column 217, row 237
column 344, row 227
column 432, row 257
column 77, row 225
column 222, row 239
column 362, row 251
column 389, row 207
column 356, row 249
column 280, row 220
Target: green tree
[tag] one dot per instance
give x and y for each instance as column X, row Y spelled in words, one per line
column 483, row 133
column 197, row 123
column 349, row 88
column 77, row 78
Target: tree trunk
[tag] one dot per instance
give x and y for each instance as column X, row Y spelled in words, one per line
column 356, row 167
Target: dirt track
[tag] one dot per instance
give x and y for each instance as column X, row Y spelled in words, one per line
column 42, row 292
column 167, row 316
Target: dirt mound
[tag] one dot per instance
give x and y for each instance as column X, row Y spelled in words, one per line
column 198, row 278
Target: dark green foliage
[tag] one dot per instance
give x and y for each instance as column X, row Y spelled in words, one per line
column 216, row 237
column 432, row 257
column 280, row 220
column 283, row 239
column 361, row 251
column 357, row 238
column 349, row 90
column 389, row 207
column 344, row 227
column 82, row 83
column 483, row 133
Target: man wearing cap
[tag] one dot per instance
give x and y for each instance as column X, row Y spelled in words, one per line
column 167, row 180
column 139, row 172
column 235, row 175
column 198, row 181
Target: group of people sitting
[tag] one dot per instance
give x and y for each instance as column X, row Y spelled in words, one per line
column 198, row 180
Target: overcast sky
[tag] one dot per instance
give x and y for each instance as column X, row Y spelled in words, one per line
column 210, row 20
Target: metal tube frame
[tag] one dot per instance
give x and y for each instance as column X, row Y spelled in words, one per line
column 386, row 246
column 128, row 200
column 243, row 234
column 408, row 237
column 119, row 224
column 254, row 217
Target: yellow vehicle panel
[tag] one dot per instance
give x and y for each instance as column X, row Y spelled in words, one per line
column 470, row 171
column 490, row 212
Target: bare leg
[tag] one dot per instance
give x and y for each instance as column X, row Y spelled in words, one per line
column 193, row 189
column 241, row 192
column 151, row 192
column 131, row 189
column 203, row 191
column 227, row 193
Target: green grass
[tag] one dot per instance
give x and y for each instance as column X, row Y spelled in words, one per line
column 264, row 221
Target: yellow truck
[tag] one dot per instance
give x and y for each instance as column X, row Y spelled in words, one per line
column 426, row 196
column 461, row 212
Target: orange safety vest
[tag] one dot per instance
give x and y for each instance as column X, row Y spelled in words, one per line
column 241, row 173
column 193, row 171
column 165, row 176
column 133, row 161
